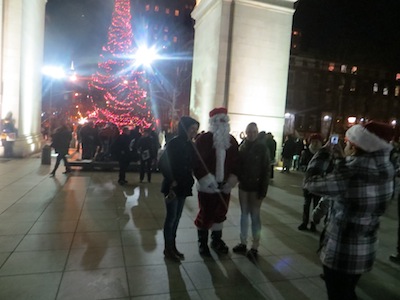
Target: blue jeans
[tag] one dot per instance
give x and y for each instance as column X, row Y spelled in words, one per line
column 174, row 212
column 250, row 205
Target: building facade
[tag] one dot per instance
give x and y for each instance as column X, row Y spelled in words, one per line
column 329, row 96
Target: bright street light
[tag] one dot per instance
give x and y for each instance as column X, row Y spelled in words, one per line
column 145, row 56
column 53, row 72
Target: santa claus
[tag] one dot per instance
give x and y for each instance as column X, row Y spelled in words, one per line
column 216, row 172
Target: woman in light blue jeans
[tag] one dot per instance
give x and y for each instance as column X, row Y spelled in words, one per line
column 253, row 185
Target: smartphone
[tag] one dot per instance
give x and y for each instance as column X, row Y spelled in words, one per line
column 334, row 139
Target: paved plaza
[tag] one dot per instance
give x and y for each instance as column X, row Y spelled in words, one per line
column 82, row 236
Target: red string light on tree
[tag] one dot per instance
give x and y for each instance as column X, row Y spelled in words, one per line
column 118, row 91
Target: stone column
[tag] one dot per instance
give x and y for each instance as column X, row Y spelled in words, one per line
column 241, row 61
column 23, row 42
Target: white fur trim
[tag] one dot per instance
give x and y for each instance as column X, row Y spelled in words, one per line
column 207, row 180
column 207, row 184
column 220, row 164
column 217, row 226
column 365, row 139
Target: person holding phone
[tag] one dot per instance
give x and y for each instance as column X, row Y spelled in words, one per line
column 359, row 187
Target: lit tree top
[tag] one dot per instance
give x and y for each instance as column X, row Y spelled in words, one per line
column 118, row 90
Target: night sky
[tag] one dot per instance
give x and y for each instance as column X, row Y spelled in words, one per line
column 345, row 30
column 365, row 31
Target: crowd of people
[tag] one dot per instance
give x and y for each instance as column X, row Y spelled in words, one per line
column 347, row 183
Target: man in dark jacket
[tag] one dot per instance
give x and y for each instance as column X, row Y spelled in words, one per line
column 176, row 165
column 120, row 149
column 289, row 149
column 147, row 148
column 253, row 185
column 60, row 142
column 315, row 143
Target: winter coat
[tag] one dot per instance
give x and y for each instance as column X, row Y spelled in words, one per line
column 177, row 161
column 254, row 162
column 359, row 188
column 120, row 147
column 61, row 139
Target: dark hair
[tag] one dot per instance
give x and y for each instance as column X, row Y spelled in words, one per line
column 184, row 123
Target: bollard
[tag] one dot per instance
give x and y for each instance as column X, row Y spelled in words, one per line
column 46, row 155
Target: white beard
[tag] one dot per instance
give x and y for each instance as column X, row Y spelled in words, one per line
column 220, row 130
column 221, row 142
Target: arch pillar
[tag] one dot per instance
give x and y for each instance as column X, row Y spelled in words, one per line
column 21, row 59
column 241, row 61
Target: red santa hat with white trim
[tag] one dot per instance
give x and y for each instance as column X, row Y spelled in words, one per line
column 218, row 111
column 371, row 137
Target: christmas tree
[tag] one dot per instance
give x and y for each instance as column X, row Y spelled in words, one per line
column 118, row 89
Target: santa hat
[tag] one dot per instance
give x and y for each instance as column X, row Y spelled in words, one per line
column 315, row 136
column 217, row 111
column 371, row 137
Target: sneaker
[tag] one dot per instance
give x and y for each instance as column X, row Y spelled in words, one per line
column 240, row 248
column 302, row 227
column 395, row 258
column 252, row 254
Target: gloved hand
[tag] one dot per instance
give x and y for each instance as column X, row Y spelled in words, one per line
column 208, row 184
column 230, row 184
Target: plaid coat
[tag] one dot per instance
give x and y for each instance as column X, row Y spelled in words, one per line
column 360, row 187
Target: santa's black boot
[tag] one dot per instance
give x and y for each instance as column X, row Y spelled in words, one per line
column 217, row 243
column 203, row 242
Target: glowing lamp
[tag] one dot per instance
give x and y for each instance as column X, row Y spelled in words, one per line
column 145, row 56
column 53, row 72
column 351, row 120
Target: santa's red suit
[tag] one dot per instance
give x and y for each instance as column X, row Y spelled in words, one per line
column 216, row 171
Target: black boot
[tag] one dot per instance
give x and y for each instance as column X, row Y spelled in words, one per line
column 169, row 252
column 217, row 243
column 203, row 242
column 179, row 254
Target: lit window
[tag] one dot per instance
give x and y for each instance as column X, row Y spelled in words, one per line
column 294, row 46
column 165, row 29
column 397, row 91
column 385, row 91
column 398, row 76
column 295, row 33
column 167, row 11
column 176, row 12
column 375, row 88
column 156, row 8
column 331, row 67
column 343, row 68
column 147, row 7
column 354, row 70
column 175, row 39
